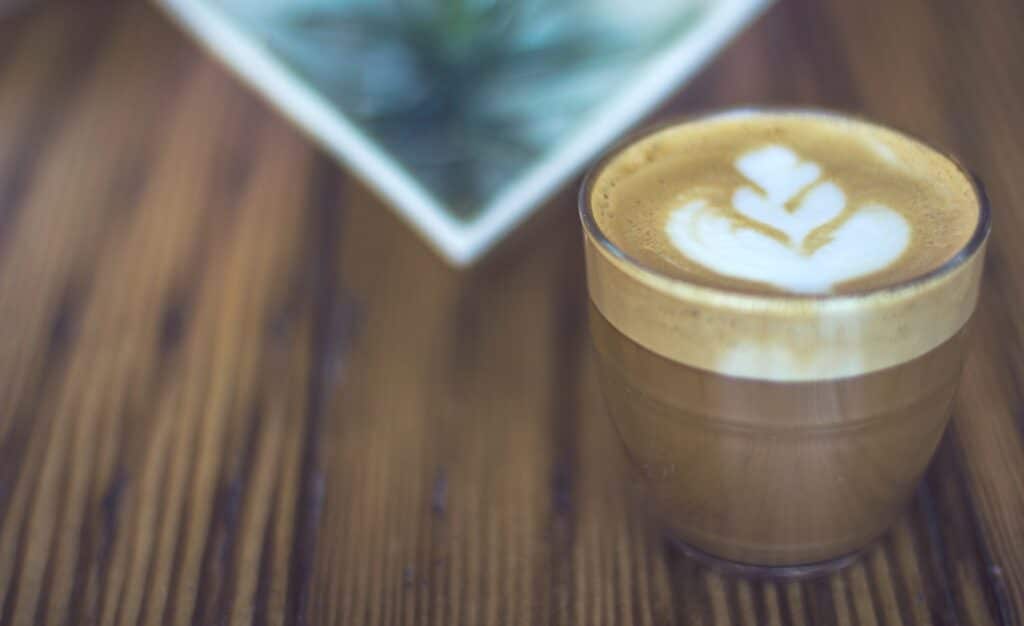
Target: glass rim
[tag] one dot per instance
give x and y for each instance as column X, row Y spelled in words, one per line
column 593, row 230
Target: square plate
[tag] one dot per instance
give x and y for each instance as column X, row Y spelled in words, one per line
column 464, row 114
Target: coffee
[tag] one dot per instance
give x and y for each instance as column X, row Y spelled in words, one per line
column 785, row 202
column 779, row 305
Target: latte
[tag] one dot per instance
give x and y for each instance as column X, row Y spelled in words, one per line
column 780, row 304
column 785, row 202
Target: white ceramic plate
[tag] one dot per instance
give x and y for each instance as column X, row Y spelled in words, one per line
column 461, row 234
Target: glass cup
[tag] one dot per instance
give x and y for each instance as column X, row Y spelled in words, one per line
column 768, row 475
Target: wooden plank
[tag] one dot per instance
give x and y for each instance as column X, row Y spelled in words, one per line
column 186, row 341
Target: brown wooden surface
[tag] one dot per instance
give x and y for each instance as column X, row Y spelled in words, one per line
column 235, row 389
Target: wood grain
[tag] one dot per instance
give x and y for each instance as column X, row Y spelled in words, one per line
column 234, row 388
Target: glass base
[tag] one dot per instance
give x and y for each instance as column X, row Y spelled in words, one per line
column 764, row 572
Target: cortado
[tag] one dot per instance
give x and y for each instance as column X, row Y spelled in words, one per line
column 779, row 304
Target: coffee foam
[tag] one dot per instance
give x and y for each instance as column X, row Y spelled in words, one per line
column 712, row 238
column 785, row 203
column 726, row 289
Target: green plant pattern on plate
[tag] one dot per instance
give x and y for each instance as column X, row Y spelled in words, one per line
column 465, row 94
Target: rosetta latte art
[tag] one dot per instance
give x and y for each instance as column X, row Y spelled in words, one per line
column 789, row 198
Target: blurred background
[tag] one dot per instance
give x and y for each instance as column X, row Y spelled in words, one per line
column 236, row 387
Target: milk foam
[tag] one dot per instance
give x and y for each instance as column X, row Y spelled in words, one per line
column 791, row 200
column 719, row 226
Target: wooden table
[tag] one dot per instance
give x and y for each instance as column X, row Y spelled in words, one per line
column 235, row 388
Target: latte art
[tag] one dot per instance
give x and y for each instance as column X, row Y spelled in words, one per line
column 777, row 171
column 790, row 200
column 785, row 203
